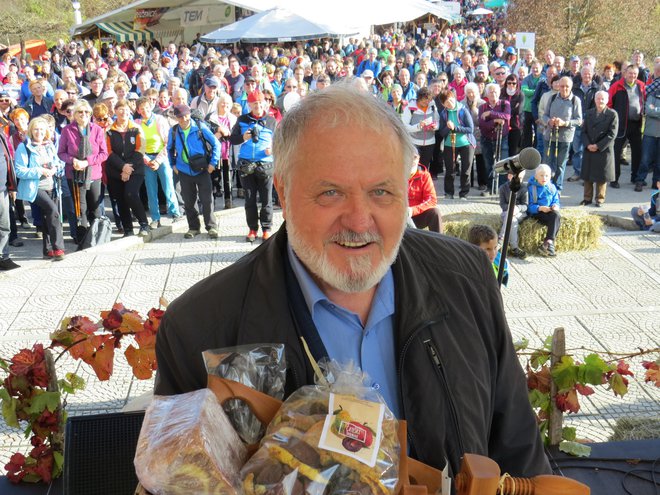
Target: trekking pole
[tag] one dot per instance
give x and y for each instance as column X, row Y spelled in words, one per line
column 59, row 195
column 452, row 139
column 497, row 156
column 556, row 143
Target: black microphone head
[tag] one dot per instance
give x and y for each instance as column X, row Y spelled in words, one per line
column 529, row 158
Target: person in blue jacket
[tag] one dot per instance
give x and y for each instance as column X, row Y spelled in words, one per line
column 544, row 206
column 194, row 153
column 37, row 165
column 254, row 133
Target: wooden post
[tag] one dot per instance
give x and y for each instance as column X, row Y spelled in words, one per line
column 57, row 439
column 556, row 416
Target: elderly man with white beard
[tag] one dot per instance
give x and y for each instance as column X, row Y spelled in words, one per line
column 419, row 312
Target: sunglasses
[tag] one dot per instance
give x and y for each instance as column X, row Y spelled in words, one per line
column 86, row 112
column 500, row 73
column 4, row 100
column 512, row 83
column 443, row 80
column 104, row 119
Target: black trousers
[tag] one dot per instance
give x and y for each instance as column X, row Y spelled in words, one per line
column 437, row 163
column 261, row 182
column 552, row 220
column 127, row 195
column 514, row 141
column 51, row 225
column 451, row 168
column 529, row 130
column 634, row 136
column 430, row 219
column 91, row 205
column 481, row 172
column 192, row 188
column 425, row 154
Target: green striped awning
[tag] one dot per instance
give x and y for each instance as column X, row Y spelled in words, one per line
column 123, row 31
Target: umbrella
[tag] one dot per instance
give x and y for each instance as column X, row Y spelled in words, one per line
column 276, row 24
column 481, row 11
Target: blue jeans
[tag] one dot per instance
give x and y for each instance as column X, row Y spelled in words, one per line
column 578, row 151
column 558, row 163
column 151, row 178
column 650, row 159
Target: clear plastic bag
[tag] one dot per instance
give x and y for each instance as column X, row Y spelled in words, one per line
column 261, row 367
column 187, row 445
column 314, row 443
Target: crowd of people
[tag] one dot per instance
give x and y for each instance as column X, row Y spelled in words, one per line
column 165, row 129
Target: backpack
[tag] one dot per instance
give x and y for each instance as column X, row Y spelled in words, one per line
column 99, row 232
column 208, row 147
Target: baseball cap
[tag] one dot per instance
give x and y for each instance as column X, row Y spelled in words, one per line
column 4, row 94
column 510, row 49
column 367, row 74
column 181, row 110
column 482, row 68
column 211, row 82
column 255, row 96
column 575, row 58
column 250, row 79
column 132, row 96
column 106, row 95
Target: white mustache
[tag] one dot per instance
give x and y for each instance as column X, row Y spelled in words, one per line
column 355, row 237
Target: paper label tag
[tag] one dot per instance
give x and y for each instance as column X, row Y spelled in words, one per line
column 353, row 427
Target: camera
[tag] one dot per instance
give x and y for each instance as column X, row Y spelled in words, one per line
column 254, row 132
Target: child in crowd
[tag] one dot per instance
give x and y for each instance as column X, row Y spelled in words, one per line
column 649, row 219
column 486, row 238
column 519, row 213
column 543, row 206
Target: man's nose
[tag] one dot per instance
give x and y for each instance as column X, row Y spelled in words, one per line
column 357, row 214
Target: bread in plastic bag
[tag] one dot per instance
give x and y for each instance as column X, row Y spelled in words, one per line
column 188, row 446
column 291, row 460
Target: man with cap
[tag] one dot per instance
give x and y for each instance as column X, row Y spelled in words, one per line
column 482, row 71
column 187, row 143
column 254, row 132
column 368, row 77
column 109, row 99
column 207, row 102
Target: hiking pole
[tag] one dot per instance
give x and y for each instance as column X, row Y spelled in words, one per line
column 452, row 139
column 497, row 156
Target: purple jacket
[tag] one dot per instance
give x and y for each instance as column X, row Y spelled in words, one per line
column 502, row 111
column 68, row 150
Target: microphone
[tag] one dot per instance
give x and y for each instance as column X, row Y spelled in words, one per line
column 527, row 159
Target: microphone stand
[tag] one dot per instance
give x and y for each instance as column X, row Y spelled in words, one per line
column 515, row 187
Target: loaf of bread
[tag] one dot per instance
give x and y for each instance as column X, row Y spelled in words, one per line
column 188, row 446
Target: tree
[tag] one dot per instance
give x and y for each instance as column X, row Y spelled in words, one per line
column 607, row 29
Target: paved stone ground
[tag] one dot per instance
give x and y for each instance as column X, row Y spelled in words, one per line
column 606, row 299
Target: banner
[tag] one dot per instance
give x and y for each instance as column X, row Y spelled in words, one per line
column 145, row 18
column 525, row 41
column 194, row 16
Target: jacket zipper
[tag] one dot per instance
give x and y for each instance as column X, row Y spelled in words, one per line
column 450, row 399
column 404, row 349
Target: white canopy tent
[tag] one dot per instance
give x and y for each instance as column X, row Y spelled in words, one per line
column 481, row 11
column 274, row 25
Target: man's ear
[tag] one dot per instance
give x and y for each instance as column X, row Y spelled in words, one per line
column 279, row 187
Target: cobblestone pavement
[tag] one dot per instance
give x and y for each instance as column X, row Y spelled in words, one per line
column 606, row 299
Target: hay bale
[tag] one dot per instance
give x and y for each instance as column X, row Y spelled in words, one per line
column 627, row 428
column 579, row 230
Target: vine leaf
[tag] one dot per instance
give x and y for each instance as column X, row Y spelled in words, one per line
column 652, row 372
column 618, row 384
column 568, row 401
column 574, row 448
column 565, row 373
column 143, row 361
column 592, row 370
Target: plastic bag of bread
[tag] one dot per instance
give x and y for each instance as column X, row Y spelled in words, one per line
column 336, row 438
column 187, row 445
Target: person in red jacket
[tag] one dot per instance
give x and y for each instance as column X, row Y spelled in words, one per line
column 423, row 211
column 627, row 97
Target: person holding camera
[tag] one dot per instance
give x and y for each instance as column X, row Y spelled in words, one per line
column 254, row 132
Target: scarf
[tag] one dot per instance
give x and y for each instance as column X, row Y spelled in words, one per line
column 83, row 177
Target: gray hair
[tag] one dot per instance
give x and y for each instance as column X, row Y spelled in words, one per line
column 490, row 86
column 543, row 168
column 607, row 95
column 81, row 105
column 338, row 105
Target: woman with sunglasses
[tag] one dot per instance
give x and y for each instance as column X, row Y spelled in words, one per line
column 82, row 149
column 37, row 165
column 515, row 98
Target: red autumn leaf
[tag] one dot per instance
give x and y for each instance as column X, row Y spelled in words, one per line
column 652, row 372
column 584, row 389
column 44, row 466
column 143, row 361
column 102, row 359
column 539, row 380
column 623, row 368
column 568, row 401
column 31, row 363
column 153, row 319
column 121, row 319
column 111, row 319
column 48, row 422
column 15, row 467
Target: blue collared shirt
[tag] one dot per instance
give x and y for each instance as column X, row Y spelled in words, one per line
column 371, row 347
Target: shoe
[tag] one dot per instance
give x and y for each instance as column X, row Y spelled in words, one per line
column 449, row 196
column 8, row 264
column 128, row 233
column 38, row 234
column 624, row 162
column 58, row 255
column 585, row 202
column 252, row 235
column 213, row 234
column 144, row 231
column 483, row 188
column 16, row 243
column 266, row 235
column 598, row 205
column 190, row 234
column 228, row 205
column 573, row 178
column 518, row 253
column 120, row 230
column 543, row 249
column 551, row 249
column 463, row 198
column 615, row 184
column 154, row 224
column 639, row 187
column 177, row 218
column 25, row 224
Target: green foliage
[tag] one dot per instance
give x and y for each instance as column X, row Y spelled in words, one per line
column 9, row 408
column 575, row 448
column 592, row 370
column 71, row 383
column 565, row 373
column 43, row 400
